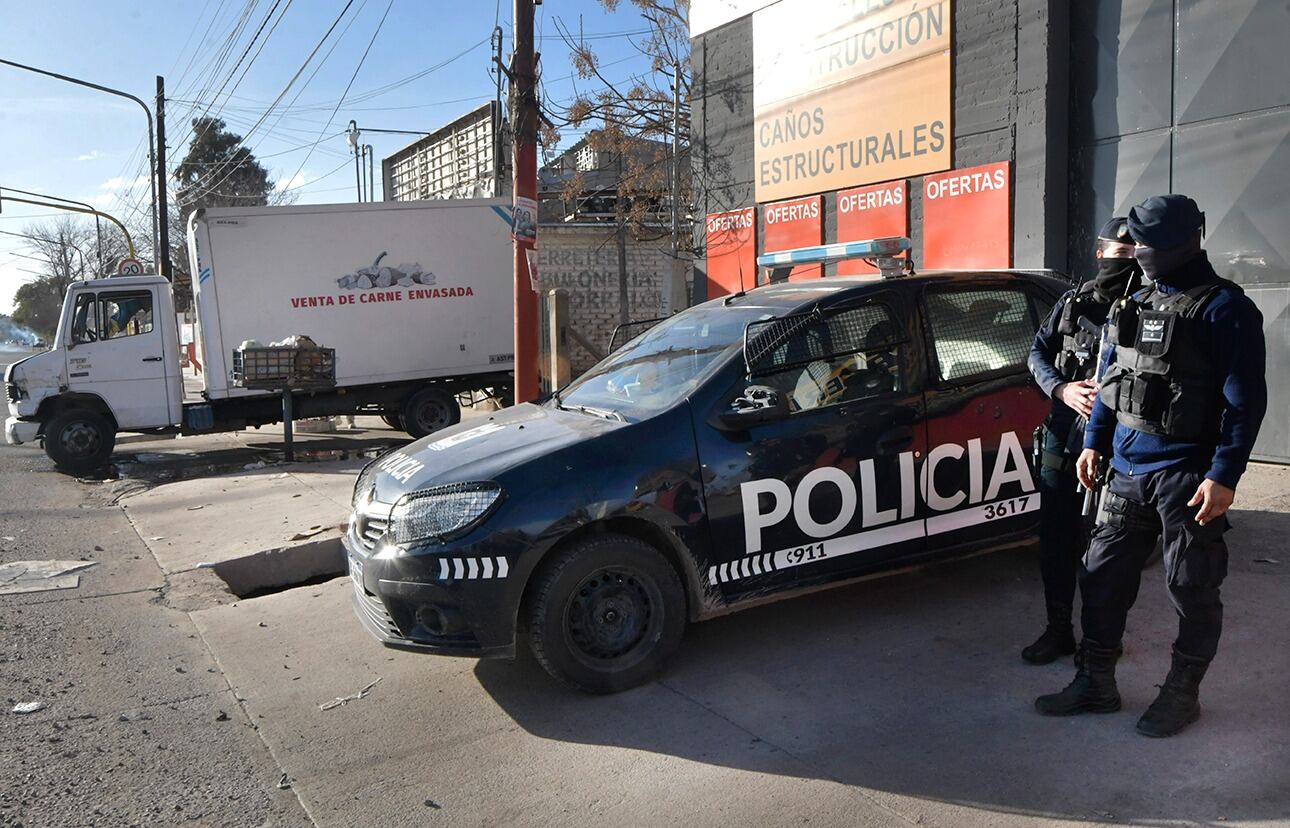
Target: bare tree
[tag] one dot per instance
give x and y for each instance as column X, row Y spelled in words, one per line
column 633, row 116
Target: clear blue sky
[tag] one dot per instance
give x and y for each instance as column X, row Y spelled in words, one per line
column 77, row 143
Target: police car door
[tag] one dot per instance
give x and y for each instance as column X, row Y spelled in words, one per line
column 982, row 409
column 826, row 489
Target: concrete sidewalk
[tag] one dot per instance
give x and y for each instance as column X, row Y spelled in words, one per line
column 263, row 528
column 898, row 701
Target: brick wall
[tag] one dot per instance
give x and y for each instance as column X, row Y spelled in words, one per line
column 583, row 259
column 999, row 93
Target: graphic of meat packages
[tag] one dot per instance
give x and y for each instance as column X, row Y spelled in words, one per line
column 378, row 276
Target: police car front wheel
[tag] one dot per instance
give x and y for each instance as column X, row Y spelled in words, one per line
column 606, row 613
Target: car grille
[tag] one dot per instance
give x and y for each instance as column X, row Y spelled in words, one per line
column 375, row 613
column 11, row 392
column 370, row 530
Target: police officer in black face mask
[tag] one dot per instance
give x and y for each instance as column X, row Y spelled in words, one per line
column 1063, row 360
column 1178, row 412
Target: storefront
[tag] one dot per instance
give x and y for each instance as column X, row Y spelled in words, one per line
column 995, row 133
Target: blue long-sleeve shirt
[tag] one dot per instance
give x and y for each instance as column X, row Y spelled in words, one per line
column 1232, row 330
column 1062, row 419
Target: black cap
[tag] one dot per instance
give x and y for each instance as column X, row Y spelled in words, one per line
column 1165, row 222
column 1116, row 230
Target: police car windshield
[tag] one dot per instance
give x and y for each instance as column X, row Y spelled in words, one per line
column 661, row 366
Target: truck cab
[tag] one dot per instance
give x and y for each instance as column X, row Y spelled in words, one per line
column 113, row 366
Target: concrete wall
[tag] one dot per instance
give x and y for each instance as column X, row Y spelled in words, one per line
column 583, row 259
column 1010, row 65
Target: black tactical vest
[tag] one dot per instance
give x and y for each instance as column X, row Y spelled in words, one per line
column 1077, row 359
column 1163, row 378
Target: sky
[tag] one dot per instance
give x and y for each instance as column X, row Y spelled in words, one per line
column 78, row 143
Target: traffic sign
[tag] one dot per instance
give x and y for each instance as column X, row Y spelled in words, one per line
column 129, row 267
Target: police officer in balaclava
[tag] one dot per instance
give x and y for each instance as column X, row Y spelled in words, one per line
column 1177, row 413
column 1063, row 360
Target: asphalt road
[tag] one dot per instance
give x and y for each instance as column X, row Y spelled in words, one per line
column 141, row 727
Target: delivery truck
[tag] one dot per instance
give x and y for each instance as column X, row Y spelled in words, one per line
column 415, row 299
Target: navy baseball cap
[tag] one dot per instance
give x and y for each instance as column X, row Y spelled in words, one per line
column 1165, row 222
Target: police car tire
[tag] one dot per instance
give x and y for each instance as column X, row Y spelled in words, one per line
column 553, row 595
column 79, row 440
column 427, row 411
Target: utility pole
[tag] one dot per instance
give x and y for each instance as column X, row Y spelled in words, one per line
column 163, row 226
column 677, row 288
column 498, row 166
column 523, row 78
column 371, row 172
column 620, row 236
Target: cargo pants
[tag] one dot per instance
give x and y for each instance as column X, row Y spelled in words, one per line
column 1061, row 525
column 1195, row 558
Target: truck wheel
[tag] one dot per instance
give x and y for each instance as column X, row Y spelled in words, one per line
column 429, row 410
column 79, row 440
column 605, row 614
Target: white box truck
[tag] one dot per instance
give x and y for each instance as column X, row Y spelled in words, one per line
column 416, row 298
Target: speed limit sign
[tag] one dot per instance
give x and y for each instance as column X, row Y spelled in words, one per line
column 129, row 267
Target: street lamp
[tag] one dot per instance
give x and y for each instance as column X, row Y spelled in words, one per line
column 98, row 224
column 351, row 138
column 152, row 147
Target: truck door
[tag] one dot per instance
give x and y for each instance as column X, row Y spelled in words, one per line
column 982, row 412
column 828, row 490
column 115, row 351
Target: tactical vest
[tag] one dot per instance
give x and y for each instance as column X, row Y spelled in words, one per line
column 1163, row 378
column 1077, row 359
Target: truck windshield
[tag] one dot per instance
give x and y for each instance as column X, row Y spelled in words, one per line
column 662, row 365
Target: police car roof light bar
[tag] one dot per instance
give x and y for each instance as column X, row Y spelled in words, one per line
column 885, row 254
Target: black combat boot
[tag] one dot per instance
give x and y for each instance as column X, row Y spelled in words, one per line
column 1093, row 689
column 1178, row 704
column 1058, row 639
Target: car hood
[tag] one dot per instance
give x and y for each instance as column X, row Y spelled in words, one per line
column 484, row 448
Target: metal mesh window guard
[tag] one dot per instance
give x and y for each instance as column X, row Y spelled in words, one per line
column 979, row 330
column 628, row 331
column 791, row 341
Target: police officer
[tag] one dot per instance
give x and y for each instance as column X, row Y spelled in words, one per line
column 1063, row 360
column 1177, row 412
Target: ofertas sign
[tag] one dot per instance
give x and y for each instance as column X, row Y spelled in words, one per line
column 848, row 93
column 732, row 251
column 871, row 213
column 967, row 218
column 792, row 224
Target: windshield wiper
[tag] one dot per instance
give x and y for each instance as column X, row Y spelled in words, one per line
column 605, row 413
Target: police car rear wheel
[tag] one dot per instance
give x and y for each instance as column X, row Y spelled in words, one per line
column 606, row 613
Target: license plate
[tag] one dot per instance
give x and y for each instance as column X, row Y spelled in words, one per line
column 356, row 571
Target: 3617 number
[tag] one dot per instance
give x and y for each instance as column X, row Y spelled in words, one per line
column 1007, row 508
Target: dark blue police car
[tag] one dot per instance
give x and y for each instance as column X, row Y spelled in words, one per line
column 757, row 446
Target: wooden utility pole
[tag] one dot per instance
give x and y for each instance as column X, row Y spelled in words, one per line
column 162, row 256
column 524, row 116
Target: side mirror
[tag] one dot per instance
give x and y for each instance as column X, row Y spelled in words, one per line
column 758, row 405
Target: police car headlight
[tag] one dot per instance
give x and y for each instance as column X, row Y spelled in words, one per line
column 442, row 512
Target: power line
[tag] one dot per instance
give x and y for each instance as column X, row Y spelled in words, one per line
column 284, row 91
column 361, row 61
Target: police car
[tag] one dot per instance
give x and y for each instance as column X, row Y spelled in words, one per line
column 757, row 446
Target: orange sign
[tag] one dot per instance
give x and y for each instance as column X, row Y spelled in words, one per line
column 792, row 224
column 849, row 93
column 732, row 251
column 967, row 218
column 870, row 213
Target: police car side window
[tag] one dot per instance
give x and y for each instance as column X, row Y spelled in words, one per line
column 979, row 331
column 848, row 356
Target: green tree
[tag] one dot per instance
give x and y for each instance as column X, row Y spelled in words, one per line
column 218, row 171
